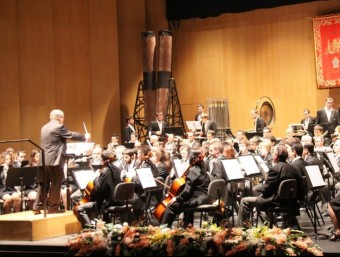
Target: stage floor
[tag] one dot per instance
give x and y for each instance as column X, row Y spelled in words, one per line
column 56, row 246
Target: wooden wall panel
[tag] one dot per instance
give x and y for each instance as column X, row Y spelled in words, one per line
column 267, row 52
column 131, row 24
column 9, row 69
column 105, row 92
column 72, row 62
column 36, row 65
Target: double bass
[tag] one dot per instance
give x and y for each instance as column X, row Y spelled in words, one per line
column 176, row 188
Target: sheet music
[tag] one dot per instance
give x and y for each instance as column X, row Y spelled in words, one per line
column 78, row 148
column 332, row 159
column 146, row 178
column 232, row 169
column 249, row 165
column 180, row 167
column 83, row 177
column 262, row 163
column 314, row 176
column 194, row 125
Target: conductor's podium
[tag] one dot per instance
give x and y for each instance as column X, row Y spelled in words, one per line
column 26, row 226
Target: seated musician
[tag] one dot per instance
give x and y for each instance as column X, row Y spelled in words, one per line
column 9, row 194
column 143, row 161
column 195, row 192
column 191, row 141
column 279, row 172
column 129, row 170
column 102, row 195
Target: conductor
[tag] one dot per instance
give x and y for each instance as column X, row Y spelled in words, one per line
column 53, row 142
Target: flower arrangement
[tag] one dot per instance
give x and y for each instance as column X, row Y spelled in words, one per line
column 209, row 240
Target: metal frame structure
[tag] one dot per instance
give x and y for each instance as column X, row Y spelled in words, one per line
column 173, row 115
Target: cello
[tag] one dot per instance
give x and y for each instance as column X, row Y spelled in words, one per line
column 176, row 188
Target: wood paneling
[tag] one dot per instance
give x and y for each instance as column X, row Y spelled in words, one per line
column 58, row 54
column 244, row 56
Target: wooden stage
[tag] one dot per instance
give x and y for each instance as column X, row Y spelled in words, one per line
column 29, row 227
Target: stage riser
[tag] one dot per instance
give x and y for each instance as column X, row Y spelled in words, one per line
column 28, row 227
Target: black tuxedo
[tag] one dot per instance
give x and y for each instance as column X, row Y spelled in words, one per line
column 260, row 125
column 209, row 125
column 321, row 118
column 127, row 134
column 154, row 127
column 311, row 121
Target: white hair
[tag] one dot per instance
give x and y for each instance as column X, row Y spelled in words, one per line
column 56, row 114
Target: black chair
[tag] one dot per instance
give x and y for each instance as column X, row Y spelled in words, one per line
column 215, row 191
column 287, row 192
column 123, row 192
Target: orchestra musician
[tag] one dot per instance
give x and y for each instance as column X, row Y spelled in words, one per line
column 53, row 141
column 200, row 110
column 307, row 120
column 328, row 115
column 195, row 192
column 191, row 141
column 102, row 194
column 259, row 123
column 139, row 199
column 129, row 170
column 207, row 125
column 157, row 126
column 129, row 129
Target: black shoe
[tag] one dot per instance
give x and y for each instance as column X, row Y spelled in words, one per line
column 334, row 237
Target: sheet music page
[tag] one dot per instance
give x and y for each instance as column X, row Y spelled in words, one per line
column 314, row 175
column 180, row 167
column 83, row 177
column 194, row 125
column 78, row 148
column 146, row 178
column 249, row 165
column 232, row 169
column 198, row 125
column 332, row 159
column 262, row 163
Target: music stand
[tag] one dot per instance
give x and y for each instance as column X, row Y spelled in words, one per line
column 229, row 133
column 194, row 125
column 249, row 165
column 177, row 131
column 180, row 167
column 331, row 166
column 21, row 177
column 234, row 174
column 129, row 145
column 83, row 177
column 298, row 129
column 315, row 182
column 250, row 134
column 24, row 163
column 149, row 185
column 262, row 164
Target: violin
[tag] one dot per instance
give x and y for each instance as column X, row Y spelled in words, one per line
column 175, row 189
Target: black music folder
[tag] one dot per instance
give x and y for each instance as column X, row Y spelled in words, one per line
column 27, row 175
column 250, row 134
column 177, row 131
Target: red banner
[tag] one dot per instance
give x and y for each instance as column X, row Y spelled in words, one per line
column 327, row 50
